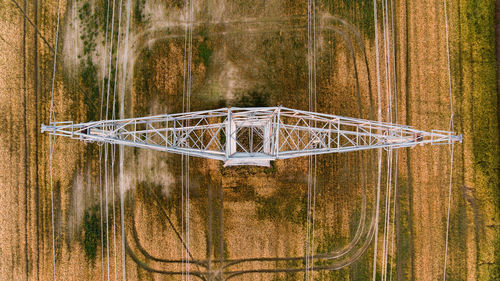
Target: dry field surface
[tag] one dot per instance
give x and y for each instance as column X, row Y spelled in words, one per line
column 244, row 54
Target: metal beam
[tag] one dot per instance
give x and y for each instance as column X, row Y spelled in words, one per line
column 251, row 136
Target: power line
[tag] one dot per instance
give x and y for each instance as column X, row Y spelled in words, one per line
column 113, row 145
column 106, row 144
column 386, row 60
column 388, row 85
column 394, row 213
column 186, row 98
column 315, row 162
column 110, row 59
column 451, row 128
column 100, row 147
column 121, row 151
column 448, row 215
column 379, row 118
column 387, row 216
column 184, row 86
column 51, row 49
column 51, row 143
column 449, row 64
column 34, row 26
column 396, row 121
column 188, row 101
column 113, row 204
column 106, row 205
column 310, row 180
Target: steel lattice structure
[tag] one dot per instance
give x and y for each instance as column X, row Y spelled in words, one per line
column 250, row 136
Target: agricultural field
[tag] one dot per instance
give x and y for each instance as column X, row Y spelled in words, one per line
column 95, row 212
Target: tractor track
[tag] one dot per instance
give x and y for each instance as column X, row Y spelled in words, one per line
column 37, row 121
column 26, row 153
column 168, row 32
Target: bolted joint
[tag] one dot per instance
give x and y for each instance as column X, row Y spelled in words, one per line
column 45, row 128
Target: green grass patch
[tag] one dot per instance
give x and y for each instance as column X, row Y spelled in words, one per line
column 205, row 51
column 286, row 204
column 256, row 98
column 359, row 12
column 479, row 112
column 93, row 21
column 90, row 28
column 91, row 233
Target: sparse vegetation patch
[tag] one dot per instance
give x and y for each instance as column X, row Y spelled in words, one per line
column 91, row 233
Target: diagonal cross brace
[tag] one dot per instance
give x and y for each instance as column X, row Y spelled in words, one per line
column 250, row 136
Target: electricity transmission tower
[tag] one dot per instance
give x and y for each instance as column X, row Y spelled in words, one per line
column 250, row 136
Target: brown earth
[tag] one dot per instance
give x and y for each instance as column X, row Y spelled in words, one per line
column 254, row 212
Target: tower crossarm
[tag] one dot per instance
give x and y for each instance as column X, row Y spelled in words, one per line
column 250, row 136
column 307, row 133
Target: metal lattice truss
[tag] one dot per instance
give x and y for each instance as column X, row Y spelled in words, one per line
column 250, row 136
